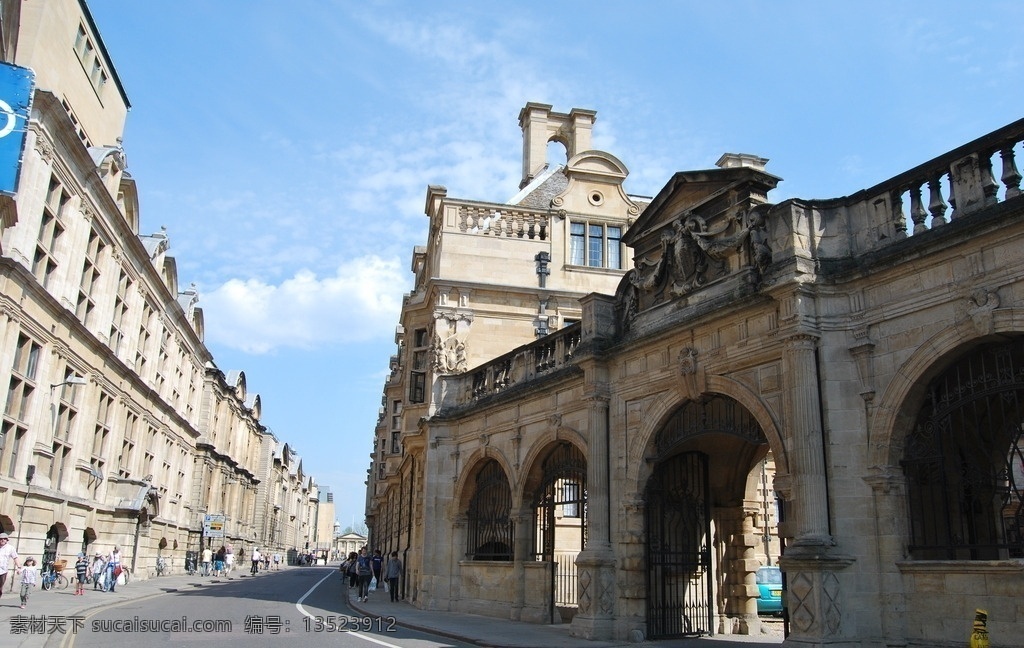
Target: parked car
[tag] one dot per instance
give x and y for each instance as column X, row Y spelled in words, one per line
column 769, row 587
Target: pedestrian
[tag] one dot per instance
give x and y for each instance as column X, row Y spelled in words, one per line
column 96, row 569
column 256, row 560
column 277, row 560
column 229, row 559
column 364, row 568
column 377, row 564
column 81, row 574
column 351, row 570
column 393, row 573
column 266, row 562
column 7, row 555
column 29, row 579
column 207, row 559
column 218, row 562
column 113, row 568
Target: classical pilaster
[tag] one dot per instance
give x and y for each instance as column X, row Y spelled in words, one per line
column 523, row 543
column 812, row 565
column 809, row 482
column 596, row 563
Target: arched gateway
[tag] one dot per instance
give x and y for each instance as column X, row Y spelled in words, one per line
column 706, row 452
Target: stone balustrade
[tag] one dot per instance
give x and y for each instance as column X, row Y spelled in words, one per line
column 520, row 366
column 510, row 222
column 950, row 186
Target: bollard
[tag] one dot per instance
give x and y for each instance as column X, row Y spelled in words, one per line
column 979, row 636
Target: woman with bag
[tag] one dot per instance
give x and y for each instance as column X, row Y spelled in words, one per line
column 113, row 568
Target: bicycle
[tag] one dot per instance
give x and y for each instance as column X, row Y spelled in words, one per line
column 53, row 577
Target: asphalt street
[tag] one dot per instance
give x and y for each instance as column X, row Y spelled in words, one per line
column 297, row 606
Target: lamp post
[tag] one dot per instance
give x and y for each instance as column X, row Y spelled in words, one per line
column 54, row 409
column 30, row 472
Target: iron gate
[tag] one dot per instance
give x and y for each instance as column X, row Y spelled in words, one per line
column 560, row 507
column 678, row 521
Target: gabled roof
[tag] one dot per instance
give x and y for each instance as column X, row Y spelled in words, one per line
column 538, row 194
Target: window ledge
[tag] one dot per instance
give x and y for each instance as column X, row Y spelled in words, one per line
column 960, row 566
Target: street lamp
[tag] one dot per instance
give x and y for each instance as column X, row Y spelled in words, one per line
column 72, row 380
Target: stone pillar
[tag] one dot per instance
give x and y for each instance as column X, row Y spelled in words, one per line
column 811, row 563
column 523, row 552
column 889, row 498
column 596, row 563
column 804, row 435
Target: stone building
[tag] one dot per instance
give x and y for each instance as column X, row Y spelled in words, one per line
column 118, row 427
column 869, row 348
column 491, row 277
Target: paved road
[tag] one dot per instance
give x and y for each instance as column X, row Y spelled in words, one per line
column 298, row 606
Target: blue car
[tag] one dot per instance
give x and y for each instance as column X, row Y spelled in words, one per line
column 769, row 587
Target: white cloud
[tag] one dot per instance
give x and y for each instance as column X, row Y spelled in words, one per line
column 359, row 302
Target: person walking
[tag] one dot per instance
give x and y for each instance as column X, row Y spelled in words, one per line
column 377, row 564
column 218, row 562
column 392, row 574
column 351, row 565
column 81, row 574
column 29, row 579
column 364, row 569
column 96, row 570
column 113, row 568
column 7, row 555
column 277, row 560
column 207, row 558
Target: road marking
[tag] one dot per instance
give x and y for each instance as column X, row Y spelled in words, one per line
column 302, row 610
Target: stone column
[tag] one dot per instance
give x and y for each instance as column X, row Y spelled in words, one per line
column 804, row 435
column 811, row 563
column 596, row 563
column 523, row 553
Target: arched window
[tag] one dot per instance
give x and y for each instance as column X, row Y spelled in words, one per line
column 490, row 528
column 964, row 459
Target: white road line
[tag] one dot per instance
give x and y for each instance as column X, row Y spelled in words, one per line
column 302, row 611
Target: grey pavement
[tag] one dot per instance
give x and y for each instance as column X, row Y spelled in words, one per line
column 502, row 633
column 469, row 628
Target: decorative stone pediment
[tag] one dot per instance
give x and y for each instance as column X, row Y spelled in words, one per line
column 704, row 226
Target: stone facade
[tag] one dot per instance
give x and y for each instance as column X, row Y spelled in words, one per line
column 118, row 427
column 491, row 277
column 868, row 348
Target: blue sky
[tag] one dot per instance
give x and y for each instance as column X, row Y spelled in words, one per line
column 287, row 147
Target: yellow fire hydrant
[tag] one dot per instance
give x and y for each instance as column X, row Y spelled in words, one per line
column 979, row 636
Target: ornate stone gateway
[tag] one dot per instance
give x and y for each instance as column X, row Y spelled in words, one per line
column 679, row 584
column 560, row 524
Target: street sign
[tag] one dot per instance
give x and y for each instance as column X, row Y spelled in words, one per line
column 213, row 526
column 16, row 85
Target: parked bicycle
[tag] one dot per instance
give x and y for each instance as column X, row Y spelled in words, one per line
column 53, row 577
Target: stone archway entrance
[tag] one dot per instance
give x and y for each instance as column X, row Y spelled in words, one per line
column 702, row 503
column 560, row 505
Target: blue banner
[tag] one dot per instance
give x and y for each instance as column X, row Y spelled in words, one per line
column 15, row 107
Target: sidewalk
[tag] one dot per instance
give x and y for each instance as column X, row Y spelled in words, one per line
column 494, row 632
column 56, row 605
